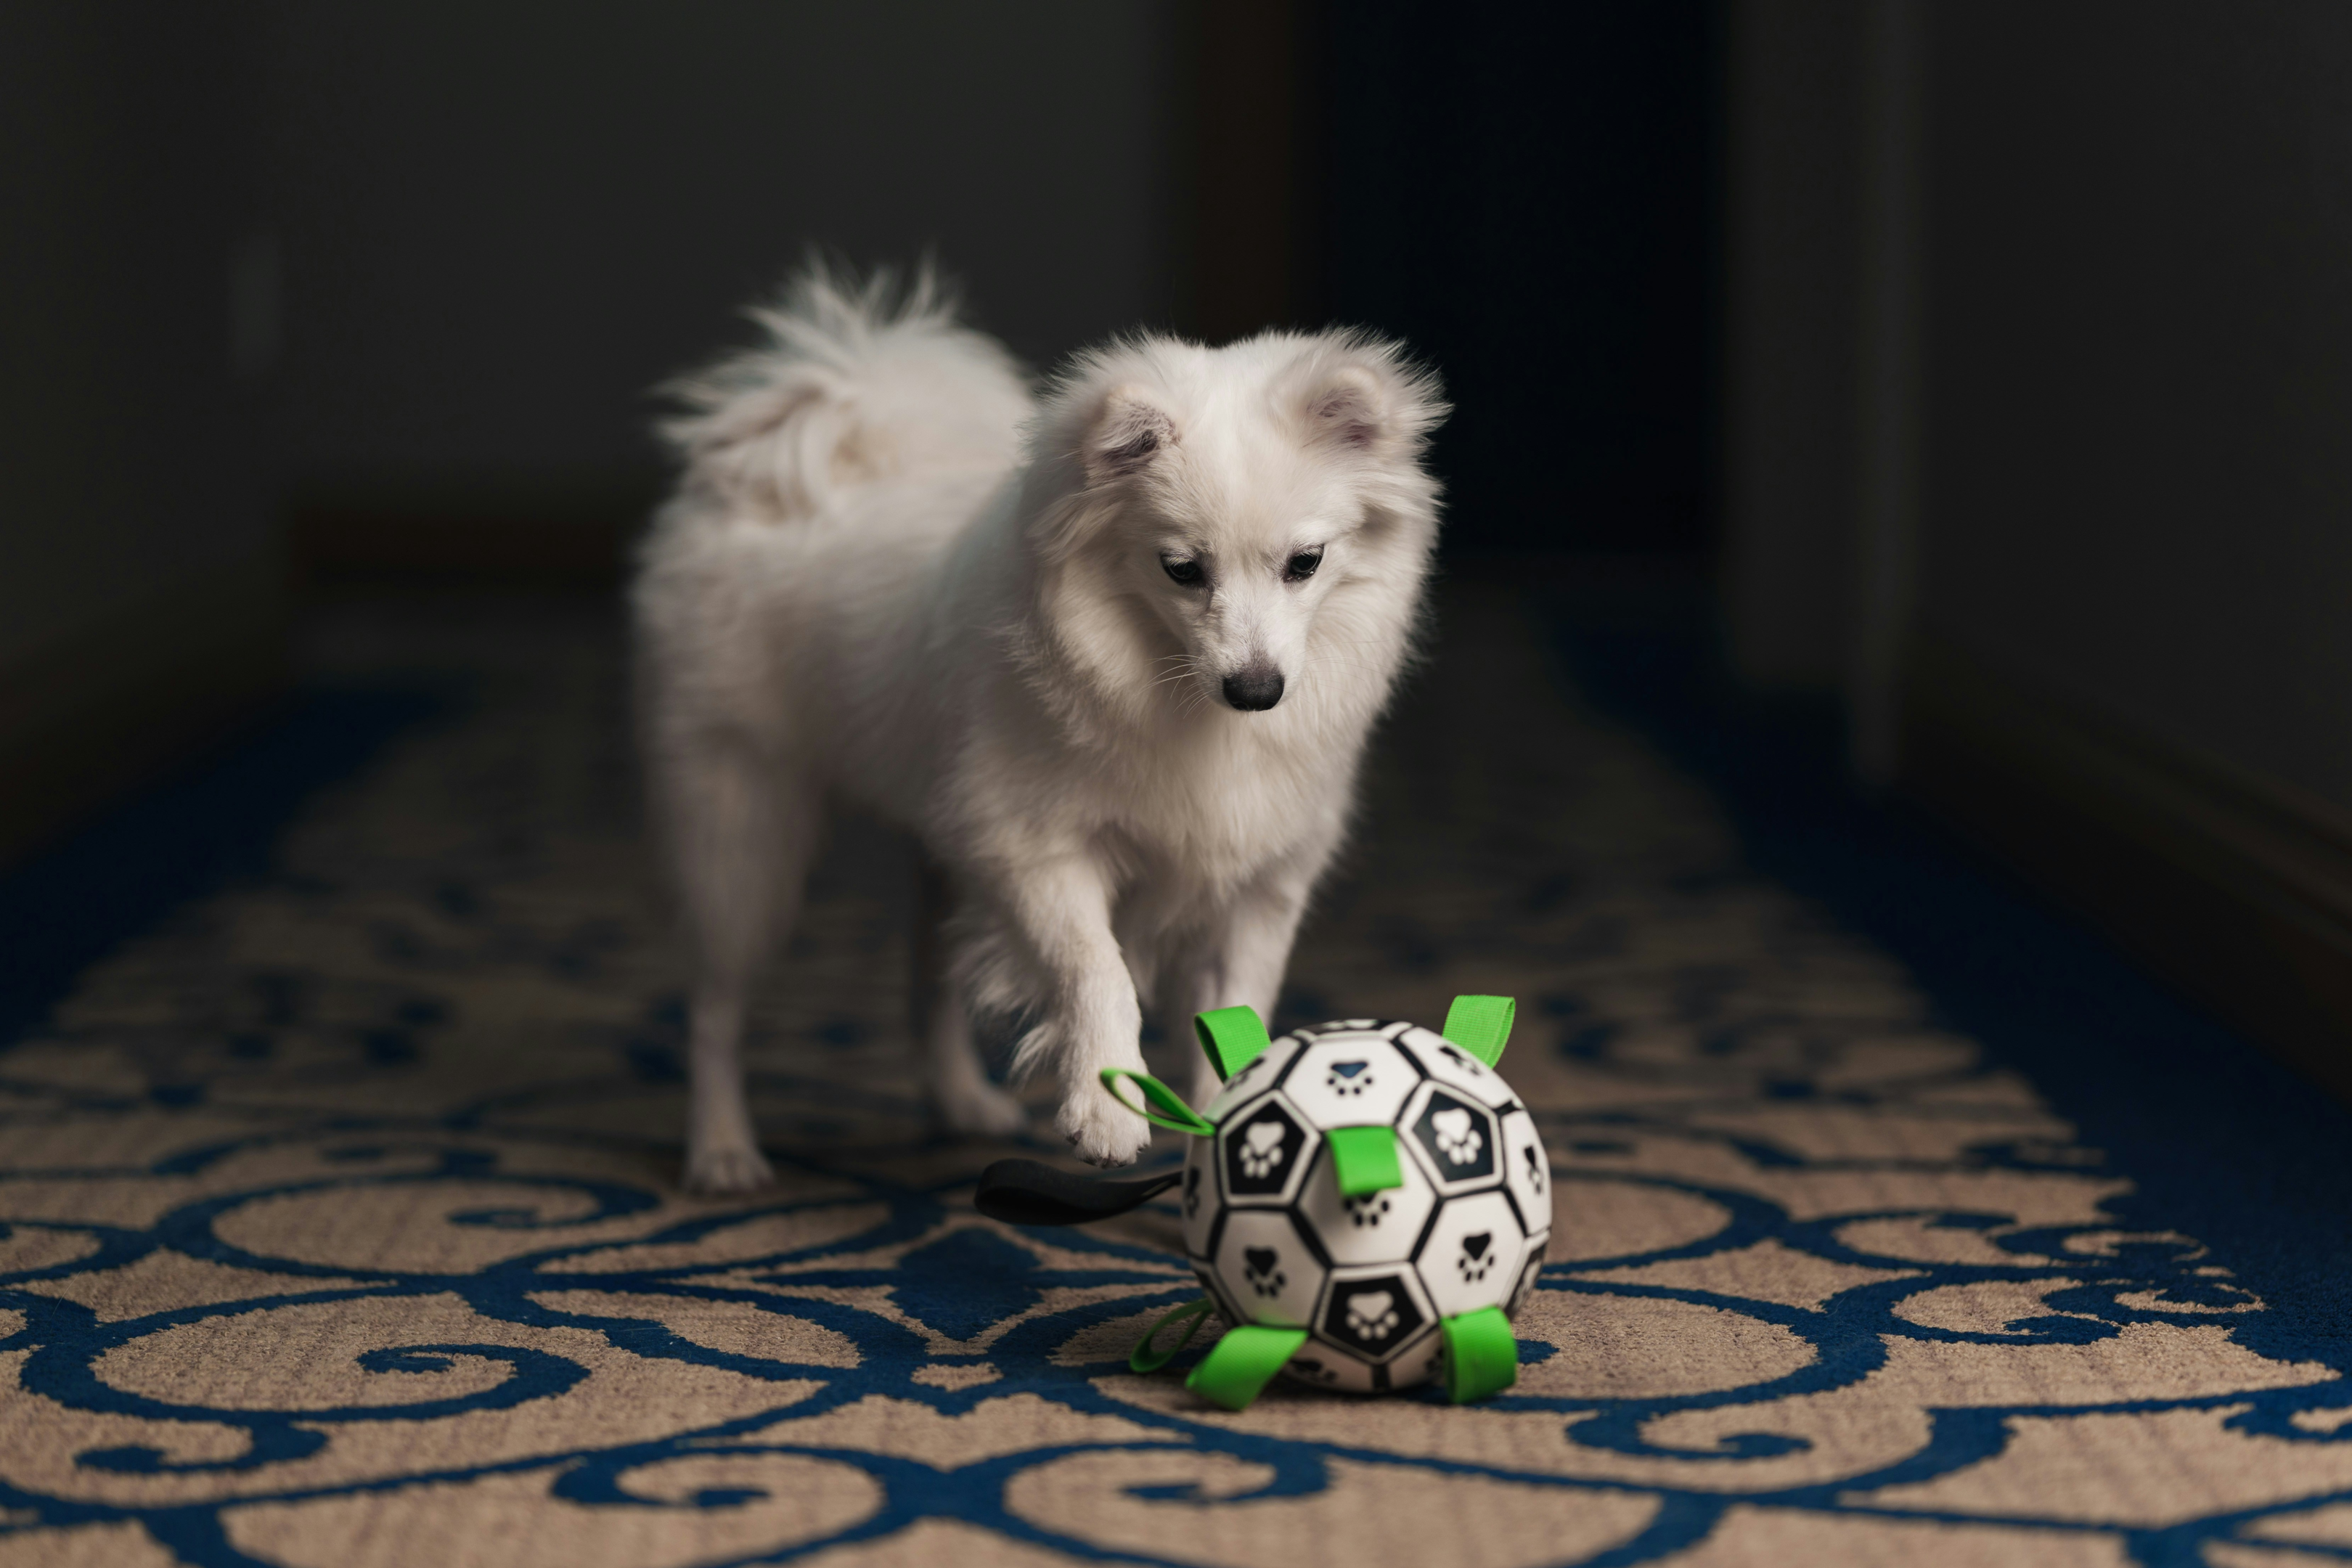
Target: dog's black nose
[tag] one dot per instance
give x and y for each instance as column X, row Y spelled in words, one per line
column 1254, row 690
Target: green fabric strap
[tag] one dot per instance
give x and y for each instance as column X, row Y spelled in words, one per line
column 1482, row 1354
column 1481, row 1025
column 1243, row 1362
column 1147, row 1359
column 1231, row 1037
column 1166, row 1106
column 1364, row 1159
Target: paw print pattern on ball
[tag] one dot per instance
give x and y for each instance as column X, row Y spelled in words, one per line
column 1454, row 1138
column 1373, row 1228
column 1472, row 1256
column 1458, row 1140
column 1356, row 1078
column 1439, row 1222
column 1262, row 1267
column 1380, row 1315
column 1371, row 1314
column 1269, row 1272
column 1264, row 1147
column 1261, row 1149
column 1309, row 1368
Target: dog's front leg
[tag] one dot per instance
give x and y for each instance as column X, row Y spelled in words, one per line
column 1242, row 965
column 1060, row 910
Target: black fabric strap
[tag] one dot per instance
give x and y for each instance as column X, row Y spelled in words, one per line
column 1030, row 1192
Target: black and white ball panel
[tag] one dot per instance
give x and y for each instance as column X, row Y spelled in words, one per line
column 1472, row 1257
column 1448, row 1063
column 1369, row 1278
column 1352, row 1080
column 1255, row 1077
column 1455, row 1140
column 1379, row 1320
column 1380, row 1228
column 1527, row 1172
column 1269, row 1270
column 1196, row 1195
column 1261, row 1149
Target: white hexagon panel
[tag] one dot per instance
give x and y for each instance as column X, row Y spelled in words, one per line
column 1262, row 1150
column 1380, row 1228
column 1456, row 1140
column 1269, row 1272
column 1351, row 1080
column 1450, row 1064
column 1472, row 1258
column 1255, row 1077
column 1527, row 1172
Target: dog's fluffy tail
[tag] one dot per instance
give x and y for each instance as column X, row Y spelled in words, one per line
column 855, row 381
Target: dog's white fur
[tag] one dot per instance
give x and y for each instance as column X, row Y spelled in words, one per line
column 891, row 575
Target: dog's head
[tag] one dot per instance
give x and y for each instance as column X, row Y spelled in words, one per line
column 1232, row 528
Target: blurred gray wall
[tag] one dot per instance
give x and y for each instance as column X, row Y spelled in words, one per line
column 2134, row 387
column 2139, row 400
column 501, row 224
column 411, row 269
column 132, row 456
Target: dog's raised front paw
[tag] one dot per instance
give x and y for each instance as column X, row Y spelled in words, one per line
column 727, row 1168
column 982, row 1111
column 1101, row 1131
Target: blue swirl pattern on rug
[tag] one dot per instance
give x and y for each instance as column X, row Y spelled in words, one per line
column 342, row 1226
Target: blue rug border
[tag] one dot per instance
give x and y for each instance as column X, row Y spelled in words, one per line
column 212, row 822
column 2223, row 1141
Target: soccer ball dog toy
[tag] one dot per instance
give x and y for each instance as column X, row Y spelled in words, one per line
column 1366, row 1202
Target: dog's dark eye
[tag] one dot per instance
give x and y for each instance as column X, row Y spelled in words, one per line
column 1186, row 572
column 1302, row 565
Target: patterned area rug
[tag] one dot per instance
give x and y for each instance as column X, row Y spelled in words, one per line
column 341, row 1223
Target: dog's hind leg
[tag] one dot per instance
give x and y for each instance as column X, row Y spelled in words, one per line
column 965, row 1100
column 741, row 830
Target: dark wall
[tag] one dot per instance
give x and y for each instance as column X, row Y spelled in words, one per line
column 1526, row 194
column 2138, row 352
column 132, row 439
column 501, row 224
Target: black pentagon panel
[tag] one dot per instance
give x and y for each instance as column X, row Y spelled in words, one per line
column 1455, row 1137
column 1261, row 1149
column 1375, row 1315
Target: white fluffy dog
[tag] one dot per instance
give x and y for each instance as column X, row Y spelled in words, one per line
column 1111, row 651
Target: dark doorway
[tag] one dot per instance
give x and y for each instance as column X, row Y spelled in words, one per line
column 1527, row 195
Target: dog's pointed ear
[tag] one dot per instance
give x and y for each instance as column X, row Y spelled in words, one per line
column 1128, row 435
column 1348, row 410
column 1371, row 402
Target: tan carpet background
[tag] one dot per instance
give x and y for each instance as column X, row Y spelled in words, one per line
column 342, row 1226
